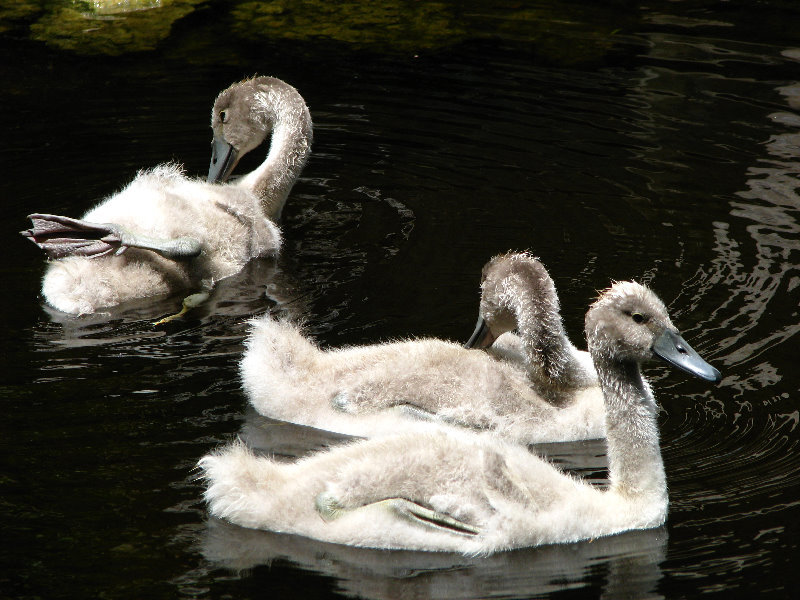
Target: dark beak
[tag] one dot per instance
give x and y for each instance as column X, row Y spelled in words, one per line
column 671, row 347
column 223, row 159
column 482, row 337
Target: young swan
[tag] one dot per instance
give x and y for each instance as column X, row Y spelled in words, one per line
column 455, row 491
column 549, row 392
column 165, row 232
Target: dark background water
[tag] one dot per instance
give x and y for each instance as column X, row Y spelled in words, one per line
column 657, row 142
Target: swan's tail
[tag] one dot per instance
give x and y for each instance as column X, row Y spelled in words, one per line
column 277, row 363
column 243, row 488
column 282, row 340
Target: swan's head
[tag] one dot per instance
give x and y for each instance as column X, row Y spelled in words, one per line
column 628, row 323
column 514, row 287
column 240, row 123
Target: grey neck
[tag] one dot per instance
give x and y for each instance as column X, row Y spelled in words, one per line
column 634, row 454
column 551, row 357
column 290, row 146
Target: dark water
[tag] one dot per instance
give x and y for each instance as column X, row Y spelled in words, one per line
column 616, row 141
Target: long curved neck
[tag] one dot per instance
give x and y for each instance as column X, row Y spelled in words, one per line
column 551, row 358
column 290, row 146
column 634, row 455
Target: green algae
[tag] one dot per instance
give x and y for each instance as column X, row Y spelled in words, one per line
column 111, row 28
column 555, row 31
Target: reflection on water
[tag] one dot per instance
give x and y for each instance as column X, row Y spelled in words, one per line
column 261, row 285
column 626, row 564
column 753, row 470
column 770, row 207
column 672, row 155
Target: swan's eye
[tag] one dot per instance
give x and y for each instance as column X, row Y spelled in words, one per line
column 637, row 317
column 223, row 116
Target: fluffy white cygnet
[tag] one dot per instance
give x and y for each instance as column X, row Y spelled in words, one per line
column 165, row 232
column 537, row 388
column 456, row 491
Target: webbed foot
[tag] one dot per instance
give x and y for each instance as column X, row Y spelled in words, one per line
column 330, row 508
column 61, row 236
column 417, row 413
column 432, row 518
column 189, row 303
column 343, row 402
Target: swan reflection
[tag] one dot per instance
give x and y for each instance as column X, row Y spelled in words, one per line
column 626, row 564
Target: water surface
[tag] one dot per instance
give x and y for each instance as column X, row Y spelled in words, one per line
column 657, row 143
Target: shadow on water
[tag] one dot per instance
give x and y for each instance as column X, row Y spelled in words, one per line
column 616, row 141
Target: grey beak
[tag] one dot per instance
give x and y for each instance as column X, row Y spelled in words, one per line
column 671, row 347
column 482, row 337
column 223, row 159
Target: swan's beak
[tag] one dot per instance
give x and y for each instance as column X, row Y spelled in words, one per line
column 223, row 158
column 671, row 347
column 482, row 337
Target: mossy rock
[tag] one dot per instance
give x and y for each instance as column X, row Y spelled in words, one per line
column 403, row 25
column 111, row 27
